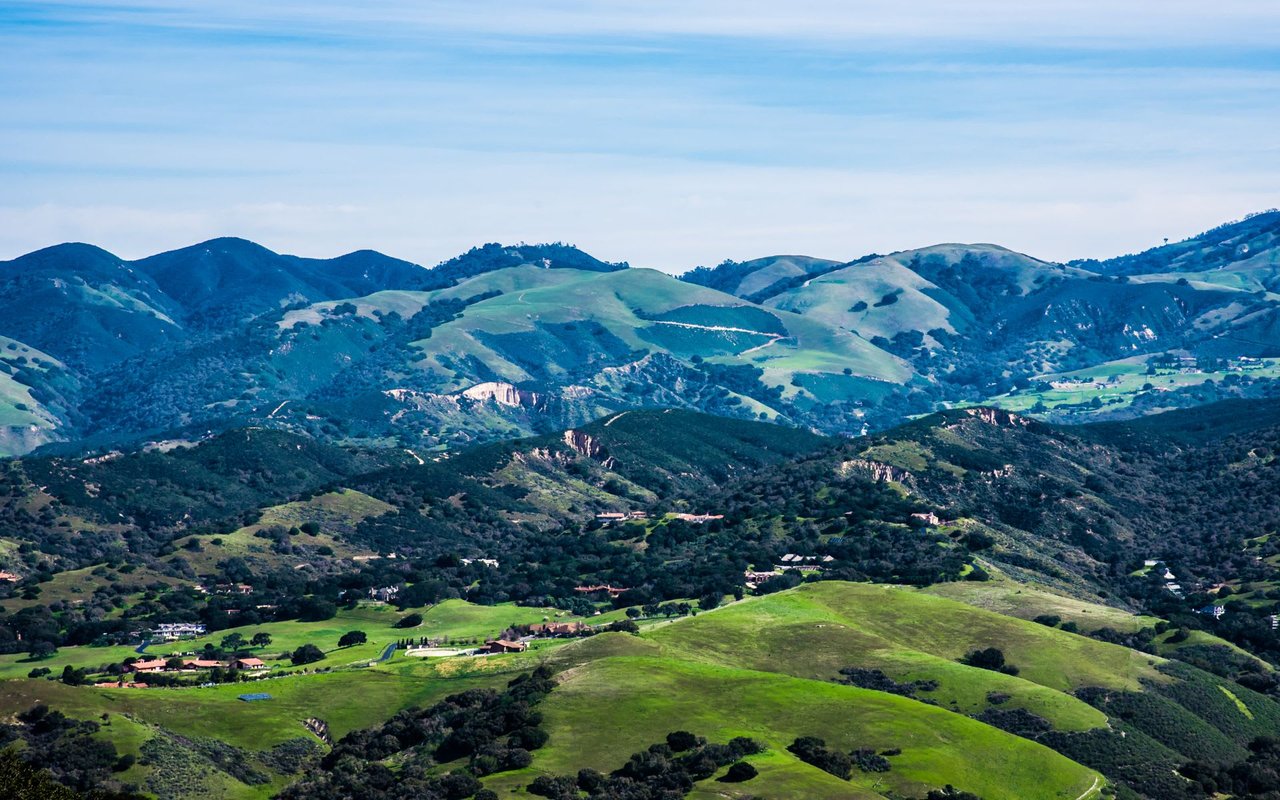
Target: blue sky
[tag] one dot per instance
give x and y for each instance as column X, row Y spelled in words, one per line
column 667, row 134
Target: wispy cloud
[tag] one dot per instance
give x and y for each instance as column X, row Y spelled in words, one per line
column 659, row 132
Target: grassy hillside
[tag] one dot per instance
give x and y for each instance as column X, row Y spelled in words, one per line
column 515, row 335
column 1227, row 247
column 767, row 667
column 911, row 632
column 759, row 278
column 649, row 691
column 877, row 298
column 36, row 398
column 648, row 697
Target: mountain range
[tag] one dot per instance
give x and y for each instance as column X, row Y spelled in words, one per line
column 97, row 352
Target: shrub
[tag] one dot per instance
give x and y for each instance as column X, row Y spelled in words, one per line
column 739, row 772
column 950, row 792
column 877, row 680
column 991, row 658
column 313, row 609
column 306, row 654
column 352, row 638
column 813, row 751
column 869, row 760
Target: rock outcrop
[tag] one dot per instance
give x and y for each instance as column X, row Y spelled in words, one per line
column 878, row 470
column 504, row 394
column 587, row 446
column 998, row 417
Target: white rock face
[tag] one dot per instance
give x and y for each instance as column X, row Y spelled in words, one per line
column 504, row 394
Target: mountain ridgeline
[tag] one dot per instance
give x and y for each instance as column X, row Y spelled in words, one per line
column 97, row 352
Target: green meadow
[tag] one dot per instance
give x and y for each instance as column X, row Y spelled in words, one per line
column 1116, row 384
column 454, row 620
column 766, row 667
column 611, row 708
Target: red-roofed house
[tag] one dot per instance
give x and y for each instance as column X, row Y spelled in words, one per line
column 558, row 628
column 504, row 646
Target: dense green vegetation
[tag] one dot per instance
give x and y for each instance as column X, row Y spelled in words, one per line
column 974, row 599
column 493, row 732
column 769, row 667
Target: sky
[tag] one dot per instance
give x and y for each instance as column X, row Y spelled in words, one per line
column 666, row 134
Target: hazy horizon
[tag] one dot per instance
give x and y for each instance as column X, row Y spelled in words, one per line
column 661, row 134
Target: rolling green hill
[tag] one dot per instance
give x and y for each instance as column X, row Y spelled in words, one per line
column 505, row 341
column 768, row 668
column 1242, row 245
column 1046, row 543
column 982, row 321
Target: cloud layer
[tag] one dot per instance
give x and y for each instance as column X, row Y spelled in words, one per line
column 667, row 134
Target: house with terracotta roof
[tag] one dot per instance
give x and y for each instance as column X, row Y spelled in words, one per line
column 249, row 663
column 612, row 591
column 558, row 628
column 753, row 578
column 498, row 646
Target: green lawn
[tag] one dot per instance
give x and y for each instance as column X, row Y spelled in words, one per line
column 347, row 700
column 452, row 619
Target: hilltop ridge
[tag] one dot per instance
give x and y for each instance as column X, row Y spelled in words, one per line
column 366, row 347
